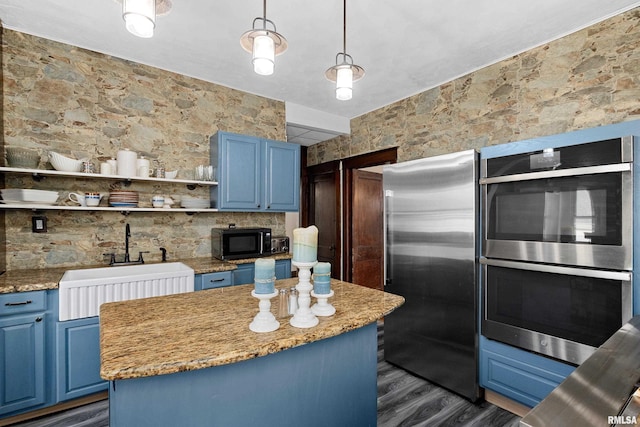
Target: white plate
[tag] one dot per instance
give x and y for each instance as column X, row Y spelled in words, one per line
column 22, row 202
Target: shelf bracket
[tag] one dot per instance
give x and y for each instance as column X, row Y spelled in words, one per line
column 125, row 213
column 191, row 186
column 126, row 182
column 37, row 177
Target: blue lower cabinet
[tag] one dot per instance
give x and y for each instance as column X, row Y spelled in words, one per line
column 245, row 272
column 78, row 358
column 519, row 375
column 283, row 269
column 331, row 382
column 22, row 358
column 212, row 280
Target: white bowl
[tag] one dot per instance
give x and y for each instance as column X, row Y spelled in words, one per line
column 171, row 174
column 63, row 163
column 29, row 195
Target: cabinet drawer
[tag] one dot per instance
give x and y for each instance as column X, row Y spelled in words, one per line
column 519, row 375
column 22, row 302
column 216, row 280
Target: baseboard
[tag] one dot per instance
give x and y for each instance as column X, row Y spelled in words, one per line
column 55, row 408
column 506, row 403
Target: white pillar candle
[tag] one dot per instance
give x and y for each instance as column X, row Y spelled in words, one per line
column 264, row 277
column 305, row 244
column 322, row 278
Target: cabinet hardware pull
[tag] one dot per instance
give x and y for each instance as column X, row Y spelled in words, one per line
column 216, row 280
column 38, row 319
column 11, row 304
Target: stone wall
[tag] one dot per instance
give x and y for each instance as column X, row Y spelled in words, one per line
column 586, row 79
column 63, row 98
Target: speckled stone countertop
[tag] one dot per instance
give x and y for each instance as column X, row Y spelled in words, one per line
column 163, row 335
column 47, row 278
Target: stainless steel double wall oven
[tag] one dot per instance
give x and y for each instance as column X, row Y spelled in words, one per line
column 557, row 247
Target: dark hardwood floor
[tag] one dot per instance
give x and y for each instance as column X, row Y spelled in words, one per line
column 403, row 400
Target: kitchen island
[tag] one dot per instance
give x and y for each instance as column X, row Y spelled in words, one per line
column 191, row 360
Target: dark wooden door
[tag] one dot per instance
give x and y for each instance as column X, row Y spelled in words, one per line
column 367, row 229
column 324, row 213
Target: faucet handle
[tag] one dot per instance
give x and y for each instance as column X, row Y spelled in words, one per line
column 140, row 260
column 112, row 257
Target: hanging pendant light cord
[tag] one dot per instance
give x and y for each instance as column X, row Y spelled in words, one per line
column 264, row 14
column 344, row 27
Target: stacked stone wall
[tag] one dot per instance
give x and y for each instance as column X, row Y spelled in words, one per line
column 57, row 97
column 586, row 79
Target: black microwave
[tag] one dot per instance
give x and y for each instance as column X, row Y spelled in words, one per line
column 238, row 243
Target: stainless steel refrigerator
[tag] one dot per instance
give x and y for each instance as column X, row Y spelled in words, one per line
column 431, row 252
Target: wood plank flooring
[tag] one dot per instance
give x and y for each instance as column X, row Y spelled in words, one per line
column 403, row 400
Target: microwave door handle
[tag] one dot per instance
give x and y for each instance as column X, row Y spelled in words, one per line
column 589, row 170
column 546, row 268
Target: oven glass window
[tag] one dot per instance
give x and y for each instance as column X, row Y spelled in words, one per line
column 580, row 309
column 577, row 209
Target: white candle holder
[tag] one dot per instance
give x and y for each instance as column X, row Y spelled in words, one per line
column 304, row 317
column 264, row 321
column 323, row 307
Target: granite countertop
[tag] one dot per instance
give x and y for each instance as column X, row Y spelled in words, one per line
column 163, row 335
column 26, row 280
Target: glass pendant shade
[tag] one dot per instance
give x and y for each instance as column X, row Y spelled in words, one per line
column 139, row 17
column 264, row 54
column 345, row 72
column 264, row 43
column 344, row 83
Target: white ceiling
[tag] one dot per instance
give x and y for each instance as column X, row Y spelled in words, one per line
column 405, row 46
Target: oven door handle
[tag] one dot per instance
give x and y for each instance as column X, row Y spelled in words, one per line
column 546, row 268
column 589, row 170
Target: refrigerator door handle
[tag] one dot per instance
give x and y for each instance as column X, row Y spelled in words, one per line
column 388, row 267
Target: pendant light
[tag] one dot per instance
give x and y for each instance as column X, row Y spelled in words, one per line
column 264, row 44
column 345, row 72
column 139, row 17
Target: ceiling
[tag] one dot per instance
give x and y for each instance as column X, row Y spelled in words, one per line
column 405, row 46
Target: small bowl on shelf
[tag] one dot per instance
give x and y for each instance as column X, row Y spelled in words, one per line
column 20, row 157
column 171, row 174
column 63, row 163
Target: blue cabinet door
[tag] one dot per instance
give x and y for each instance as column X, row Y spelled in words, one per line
column 282, row 176
column 78, row 358
column 22, row 358
column 283, row 269
column 517, row 374
column 243, row 274
column 239, row 172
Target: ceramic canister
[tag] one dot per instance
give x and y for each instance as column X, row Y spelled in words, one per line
column 114, row 166
column 143, row 167
column 127, row 163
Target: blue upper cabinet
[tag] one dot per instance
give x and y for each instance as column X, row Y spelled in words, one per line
column 282, row 176
column 239, row 171
column 255, row 174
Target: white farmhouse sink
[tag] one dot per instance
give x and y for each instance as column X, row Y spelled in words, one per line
column 81, row 292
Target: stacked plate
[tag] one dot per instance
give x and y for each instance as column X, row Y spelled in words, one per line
column 123, row 199
column 194, row 202
column 28, row 196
